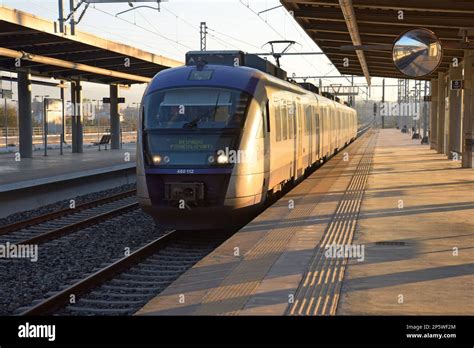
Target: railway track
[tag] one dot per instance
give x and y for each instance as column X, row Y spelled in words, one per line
column 46, row 227
column 124, row 286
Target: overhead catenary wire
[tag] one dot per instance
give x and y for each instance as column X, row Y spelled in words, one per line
column 216, row 35
column 216, row 32
column 233, row 38
column 276, row 31
column 155, row 32
column 265, row 21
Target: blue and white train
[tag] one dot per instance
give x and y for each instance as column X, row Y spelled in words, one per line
column 219, row 136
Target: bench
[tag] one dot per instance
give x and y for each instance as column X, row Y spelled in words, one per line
column 105, row 140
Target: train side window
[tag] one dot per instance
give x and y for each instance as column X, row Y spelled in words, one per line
column 308, row 119
column 284, row 120
column 292, row 115
column 267, row 115
column 277, row 120
column 317, row 124
column 262, row 124
column 296, row 118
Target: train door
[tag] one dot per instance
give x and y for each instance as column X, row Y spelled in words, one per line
column 317, row 131
column 309, row 133
column 333, row 130
column 299, row 136
column 324, row 130
column 321, row 131
column 266, row 147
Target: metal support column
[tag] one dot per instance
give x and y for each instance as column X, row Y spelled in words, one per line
column 203, row 34
column 424, row 139
column 406, row 100
column 468, row 111
column 72, row 21
column 73, row 117
column 399, row 98
column 63, row 120
column 453, row 116
column 434, row 115
column 114, row 118
column 383, row 101
column 25, row 121
column 79, row 128
column 61, row 15
column 441, row 111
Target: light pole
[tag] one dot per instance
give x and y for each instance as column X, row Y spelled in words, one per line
column 16, row 114
column 138, row 110
column 45, row 137
column 137, row 106
column 6, row 124
column 96, row 112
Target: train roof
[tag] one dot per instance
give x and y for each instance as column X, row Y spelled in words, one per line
column 223, row 76
column 241, row 78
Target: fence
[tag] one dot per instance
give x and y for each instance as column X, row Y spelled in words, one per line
column 91, row 134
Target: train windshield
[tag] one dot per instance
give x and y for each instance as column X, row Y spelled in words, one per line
column 188, row 108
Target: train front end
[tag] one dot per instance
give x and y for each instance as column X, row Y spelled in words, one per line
column 189, row 174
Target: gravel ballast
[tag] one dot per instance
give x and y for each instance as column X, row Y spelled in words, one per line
column 69, row 258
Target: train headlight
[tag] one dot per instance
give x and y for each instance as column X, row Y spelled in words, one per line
column 157, row 159
column 222, row 159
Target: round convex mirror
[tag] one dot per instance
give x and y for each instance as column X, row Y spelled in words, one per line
column 417, row 53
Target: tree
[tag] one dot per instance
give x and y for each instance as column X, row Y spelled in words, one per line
column 11, row 116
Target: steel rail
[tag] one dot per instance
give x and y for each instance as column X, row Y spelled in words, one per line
column 63, row 212
column 62, row 231
column 62, row 298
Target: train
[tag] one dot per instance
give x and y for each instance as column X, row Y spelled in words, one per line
column 221, row 135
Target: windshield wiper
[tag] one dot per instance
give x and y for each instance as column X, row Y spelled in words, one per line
column 215, row 107
column 193, row 123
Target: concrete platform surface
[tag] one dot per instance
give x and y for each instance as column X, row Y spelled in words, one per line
column 41, row 170
column 411, row 210
column 417, row 226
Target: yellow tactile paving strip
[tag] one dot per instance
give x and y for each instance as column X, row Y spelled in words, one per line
column 223, row 283
column 318, row 294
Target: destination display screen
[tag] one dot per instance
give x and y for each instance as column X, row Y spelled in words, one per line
column 200, row 75
column 186, row 144
column 186, row 149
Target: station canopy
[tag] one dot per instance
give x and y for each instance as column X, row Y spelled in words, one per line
column 379, row 24
column 23, row 32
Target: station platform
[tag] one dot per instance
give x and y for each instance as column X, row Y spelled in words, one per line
column 403, row 213
column 40, row 180
column 53, row 168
